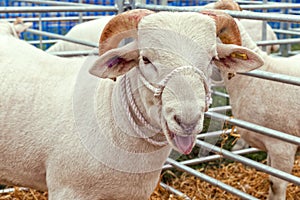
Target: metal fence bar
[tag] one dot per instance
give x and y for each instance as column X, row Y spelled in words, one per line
column 272, row 5
column 273, row 76
column 290, row 32
column 220, row 108
column 44, row 41
column 214, row 133
column 238, row 14
column 53, row 19
column 171, row 189
column 44, row 9
column 257, row 128
column 55, row 3
column 9, row 190
column 52, row 35
column 220, row 94
column 210, row 180
column 74, row 53
column 249, row 162
column 281, row 41
column 197, row 161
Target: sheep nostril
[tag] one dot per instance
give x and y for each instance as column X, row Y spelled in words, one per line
column 177, row 120
column 186, row 127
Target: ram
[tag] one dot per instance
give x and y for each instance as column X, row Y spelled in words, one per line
column 267, row 103
column 82, row 137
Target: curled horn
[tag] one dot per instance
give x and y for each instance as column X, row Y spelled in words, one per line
column 226, row 28
column 121, row 26
column 227, row 5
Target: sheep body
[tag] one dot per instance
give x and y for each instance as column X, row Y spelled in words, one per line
column 254, row 29
column 87, row 31
column 271, row 104
column 47, row 85
column 67, row 132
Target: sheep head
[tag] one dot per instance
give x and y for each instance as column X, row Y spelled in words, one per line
column 174, row 52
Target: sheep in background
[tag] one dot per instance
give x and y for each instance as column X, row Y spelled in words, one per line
column 14, row 29
column 253, row 27
column 267, row 103
column 88, row 31
column 87, row 138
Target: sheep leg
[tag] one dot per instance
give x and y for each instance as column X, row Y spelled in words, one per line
column 280, row 157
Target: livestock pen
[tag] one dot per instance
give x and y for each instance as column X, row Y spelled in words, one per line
column 189, row 182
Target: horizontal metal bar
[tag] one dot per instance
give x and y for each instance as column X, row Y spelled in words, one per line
column 275, row 42
column 294, row 12
column 214, row 133
column 271, row 5
column 52, row 35
column 219, row 108
column 254, row 127
column 248, row 2
column 289, row 32
column 44, row 41
column 210, row 180
column 43, row 9
column 197, row 161
column 249, row 162
column 53, row 19
column 264, row 16
column 221, row 94
column 239, row 14
column 273, row 76
column 55, row 3
column 173, row 190
column 74, row 53
column 9, row 190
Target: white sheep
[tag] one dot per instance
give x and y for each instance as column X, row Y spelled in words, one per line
column 253, row 27
column 15, row 28
column 271, row 104
column 81, row 137
column 88, row 31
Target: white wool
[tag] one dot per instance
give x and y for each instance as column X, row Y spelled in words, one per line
column 62, row 129
column 87, row 31
column 271, row 104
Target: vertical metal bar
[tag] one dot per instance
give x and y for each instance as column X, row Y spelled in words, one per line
column 40, row 29
column 120, row 5
column 80, row 13
column 284, row 49
column 264, row 28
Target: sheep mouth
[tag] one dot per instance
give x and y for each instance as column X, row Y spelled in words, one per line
column 182, row 143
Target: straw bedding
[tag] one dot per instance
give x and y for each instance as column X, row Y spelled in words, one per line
column 237, row 175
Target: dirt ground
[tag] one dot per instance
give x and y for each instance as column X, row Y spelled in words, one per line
column 237, row 175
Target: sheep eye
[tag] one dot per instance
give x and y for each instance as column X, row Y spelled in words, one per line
column 146, row 60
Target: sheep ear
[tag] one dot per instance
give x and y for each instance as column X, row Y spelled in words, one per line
column 116, row 62
column 22, row 27
column 233, row 58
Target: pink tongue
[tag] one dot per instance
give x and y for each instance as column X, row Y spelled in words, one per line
column 184, row 144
